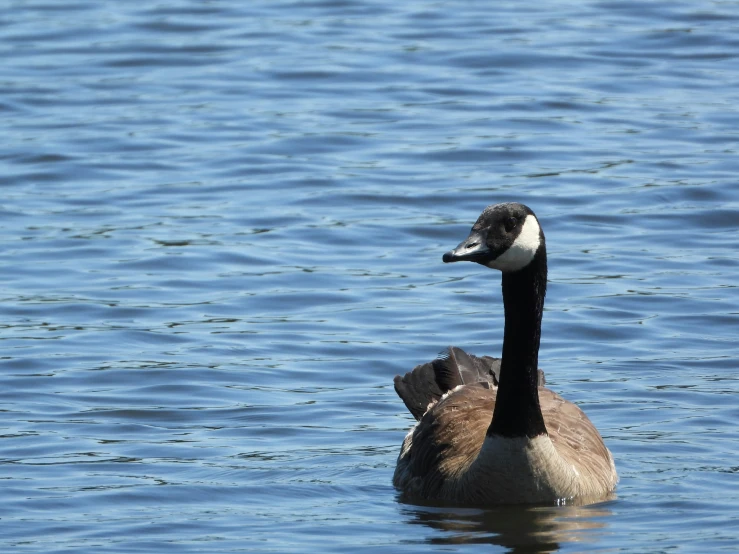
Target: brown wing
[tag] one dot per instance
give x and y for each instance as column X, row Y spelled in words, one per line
column 446, row 440
column 577, row 440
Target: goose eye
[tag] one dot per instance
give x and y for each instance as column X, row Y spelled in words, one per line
column 510, row 224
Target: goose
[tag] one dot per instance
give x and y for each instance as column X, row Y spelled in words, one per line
column 488, row 431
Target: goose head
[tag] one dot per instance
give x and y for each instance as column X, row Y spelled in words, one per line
column 506, row 237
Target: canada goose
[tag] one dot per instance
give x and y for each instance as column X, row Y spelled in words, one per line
column 488, row 432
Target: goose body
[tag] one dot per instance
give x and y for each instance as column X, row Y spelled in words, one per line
column 488, row 431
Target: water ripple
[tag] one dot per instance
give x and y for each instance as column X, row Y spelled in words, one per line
column 223, row 225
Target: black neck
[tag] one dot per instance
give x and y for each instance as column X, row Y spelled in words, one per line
column 517, row 412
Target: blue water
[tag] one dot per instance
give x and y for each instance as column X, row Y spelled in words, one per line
column 222, row 225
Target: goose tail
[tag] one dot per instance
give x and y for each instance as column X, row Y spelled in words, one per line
column 427, row 383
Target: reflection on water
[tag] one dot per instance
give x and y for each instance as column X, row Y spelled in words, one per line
column 517, row 528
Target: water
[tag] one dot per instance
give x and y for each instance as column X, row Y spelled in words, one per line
column 222, row 226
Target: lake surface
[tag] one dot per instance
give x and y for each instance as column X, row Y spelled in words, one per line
column 222, row 226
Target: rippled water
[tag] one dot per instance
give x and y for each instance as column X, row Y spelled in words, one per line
column 222, row 225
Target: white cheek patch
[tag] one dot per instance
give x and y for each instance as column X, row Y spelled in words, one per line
column 523, row 249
